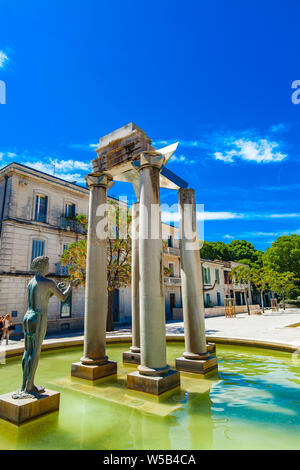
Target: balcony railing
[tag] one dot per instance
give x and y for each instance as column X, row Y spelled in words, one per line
column 172, row 250
column 173, row 281
column 72, row 225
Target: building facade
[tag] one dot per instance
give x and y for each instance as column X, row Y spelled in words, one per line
column 37, row 217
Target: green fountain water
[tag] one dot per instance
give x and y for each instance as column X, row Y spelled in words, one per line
column 252, row 403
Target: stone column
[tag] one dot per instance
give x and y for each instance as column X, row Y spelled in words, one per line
column 154, row 375
column 94, row 363
column 196, row 358
column 134, row 355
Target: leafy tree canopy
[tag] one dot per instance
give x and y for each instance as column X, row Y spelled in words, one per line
column 284, row 255
column 237, row 250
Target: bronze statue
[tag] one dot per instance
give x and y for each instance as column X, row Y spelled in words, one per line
column 40, row 289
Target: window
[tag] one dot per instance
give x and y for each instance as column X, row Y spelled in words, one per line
column 217, row 276
column 218, row 299
column 66, row 307
column 70, row 210
column 226, row 277
column 206, row 275
column 38, row 249
column 171, row 268
column 207, row 300
column 170, row 242
column 41, row 204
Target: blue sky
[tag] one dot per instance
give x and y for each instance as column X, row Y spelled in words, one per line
column 215, row 76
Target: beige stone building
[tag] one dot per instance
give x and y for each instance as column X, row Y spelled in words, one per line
column 37, row 218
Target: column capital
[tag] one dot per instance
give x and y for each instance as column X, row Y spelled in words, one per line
column 99, row 180
column 149, row 158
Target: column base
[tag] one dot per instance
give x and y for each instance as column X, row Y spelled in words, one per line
column 201, row 366
column 130, row 357
column 93, row 372
column 153, row 385
column 18, row 411
column 211, row 348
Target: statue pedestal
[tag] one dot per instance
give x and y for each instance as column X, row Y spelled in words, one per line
column 152, row 384
column 130, row 357
column 211, row 348
column 18, row 411
column 196, row 366
column 93, row 372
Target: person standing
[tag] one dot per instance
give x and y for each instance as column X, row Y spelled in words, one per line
column 6, row 329
column 1, row 328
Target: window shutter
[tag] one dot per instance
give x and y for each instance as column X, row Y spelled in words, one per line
column 46, row 208
column 73, row 210
column 208, row 275
column 36, row 207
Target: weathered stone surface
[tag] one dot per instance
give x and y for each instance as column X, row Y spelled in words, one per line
column 201, row 366
column 93, row 372
column 151, row 384
column 18, row 411
column 211, row 348
column 130, row 357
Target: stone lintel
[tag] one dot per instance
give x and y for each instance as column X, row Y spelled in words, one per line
column 93, row 372
column 18, row 411
column 201, row 366
column 153, row 385
column 130, row 357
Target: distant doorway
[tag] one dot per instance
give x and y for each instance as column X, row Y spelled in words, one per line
column 116, row 306
column 172, row 304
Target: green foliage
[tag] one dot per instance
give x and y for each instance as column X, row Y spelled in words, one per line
column 284, row 255
column 237, row 250
column 118, row 251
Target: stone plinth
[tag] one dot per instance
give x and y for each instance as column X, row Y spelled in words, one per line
column 93, row 372
column 196, row 366
column 154, row 385
column 211, row 348
column 130, row 357
column 18, row 411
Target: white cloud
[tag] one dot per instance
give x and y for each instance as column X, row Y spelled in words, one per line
column 226, row 215
column 3, row 59
column 258, row 151
column 182, row 159
column 281, row 127
column 60, row 170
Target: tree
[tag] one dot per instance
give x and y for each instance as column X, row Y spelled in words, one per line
column 244, row 251
column 282, row 283
column 237, row 250
column 118, row 255
column 215, row 250
column 241, row 275
column 260, row 279
column 284, row 255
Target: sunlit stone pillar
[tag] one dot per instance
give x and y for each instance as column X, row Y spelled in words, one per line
column 94, row 363
column 153, row 375
column 134, row 355
column 196, row 358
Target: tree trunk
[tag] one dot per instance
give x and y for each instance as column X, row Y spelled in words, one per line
column 110, row 311
column 247, row 302
column 283, row 301
column 262, row 300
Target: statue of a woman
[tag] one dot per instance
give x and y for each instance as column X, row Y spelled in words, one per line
column 40, row 289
